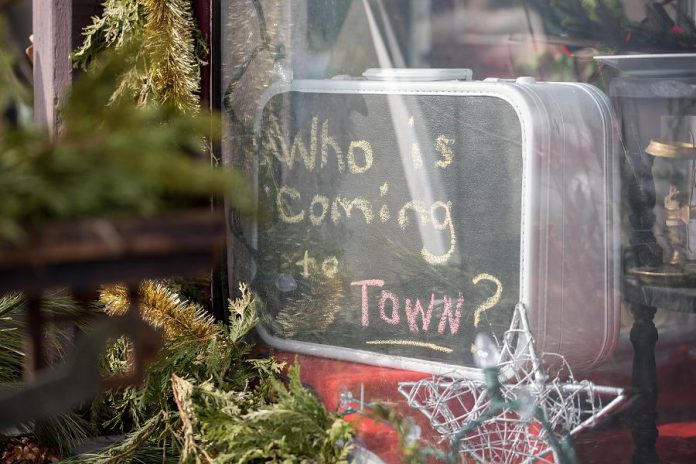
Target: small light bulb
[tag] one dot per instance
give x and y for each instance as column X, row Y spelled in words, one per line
column 527, row 407
column 282, row 70
column 486, row 354
column 286, row 283
column 414, row 434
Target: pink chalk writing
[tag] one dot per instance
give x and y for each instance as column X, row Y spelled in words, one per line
column 412, row 311
column 394, row 319
column 417, row 316
column 364, row 284
column 447, row 315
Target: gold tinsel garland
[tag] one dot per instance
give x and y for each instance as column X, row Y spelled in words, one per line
column 170, row 46
column 166, row 67
column 161, row 308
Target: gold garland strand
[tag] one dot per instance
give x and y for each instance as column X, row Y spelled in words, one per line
column 167, row 67
column 174, row 72
column 161, row 308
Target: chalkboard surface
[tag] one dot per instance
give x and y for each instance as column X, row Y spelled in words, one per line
column 393, row 221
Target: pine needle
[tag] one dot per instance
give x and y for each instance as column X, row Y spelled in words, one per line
column 12, row 307
column 120, row 20
column 223, row 427
column 62, row 432
column 194, row 346
column 109, row 160
column 125, row 450
column 10, row 303
column 204, row 398
column 301, row 314
column 243, row 314
column 11, row 353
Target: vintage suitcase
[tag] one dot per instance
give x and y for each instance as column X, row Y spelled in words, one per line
column 405, row 211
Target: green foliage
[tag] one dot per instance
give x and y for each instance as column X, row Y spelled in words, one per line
column 145, row 444
column 111, row 158
column 243, row 315
column 11, row 354
column 12, row 306
column 603, row 25
column 166, row 69
column 61, row 432
column 221, row 356
column 119, row 22
column 274, row 422
column 147, row 413
column 12, row 91
column 228, row 427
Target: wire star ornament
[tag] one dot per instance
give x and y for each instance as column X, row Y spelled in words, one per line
column 539, row 405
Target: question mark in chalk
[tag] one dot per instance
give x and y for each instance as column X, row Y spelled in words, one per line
column 490, row 302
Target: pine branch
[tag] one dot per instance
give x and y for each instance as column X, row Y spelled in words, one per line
column 111, row 159
column 123, row 451
column 195, row 347
column 120, row 21
column 167, row 67
column 62, row 433
column 243, row 314
column 300, row 316
column 224, row 426
column 10, row 302
column 11, row 353
column 12, row 307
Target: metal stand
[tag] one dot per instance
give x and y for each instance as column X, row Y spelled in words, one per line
column 644, row 299
column 644, row 337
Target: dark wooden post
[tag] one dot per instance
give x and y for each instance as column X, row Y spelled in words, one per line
column 57, row 26
column 203, row 11
column 52, row 46
column 208, row 16
column 643, row 338
column 35, row 356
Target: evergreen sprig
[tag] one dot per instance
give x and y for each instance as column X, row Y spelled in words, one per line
column 60, row 433
column 120, row 21
column 12, row 308
column 111, row 158
column 271, row 422
column 166, row 69
column 228, row 427
column 11, row 353
column 12, row 91
column 242, row 313
column 136, row 446
column 196, row 346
